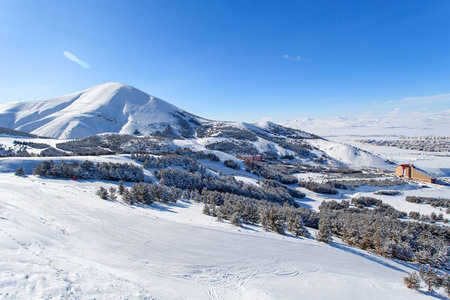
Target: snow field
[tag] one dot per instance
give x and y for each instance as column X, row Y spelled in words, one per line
column 59, row 240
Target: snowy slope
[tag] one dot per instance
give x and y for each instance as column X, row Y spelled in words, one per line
column 59, row 240
column 118, row 108
column 349, row 155
column 110, row 107
column 435, row 163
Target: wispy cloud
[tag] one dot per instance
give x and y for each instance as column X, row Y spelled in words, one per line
column 266, row 119
column 291, row 58
column 423, row 100
column 75, row 59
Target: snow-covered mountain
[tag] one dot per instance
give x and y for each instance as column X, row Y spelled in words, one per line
column 110, row 107
column 118, row 108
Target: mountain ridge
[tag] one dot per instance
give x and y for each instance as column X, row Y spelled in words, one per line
column 109, row 107
column 117, row 108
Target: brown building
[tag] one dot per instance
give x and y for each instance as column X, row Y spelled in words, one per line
column 249, row 159
column 409, row 171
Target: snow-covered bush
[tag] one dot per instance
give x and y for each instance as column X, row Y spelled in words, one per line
column 361, row 202
column 324, row 233
column 20, row 171
column 415, row 215
column 102, row 193
column 212, row 157
column 323, row 188
column 231, row 164
column 412, row 281
column 430, row 277
column 388, row 193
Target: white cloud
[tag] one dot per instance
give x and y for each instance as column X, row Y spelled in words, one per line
column 75, row 59
column 394, row 113
column 394, row 122
column 291, row 58
column 423, row 100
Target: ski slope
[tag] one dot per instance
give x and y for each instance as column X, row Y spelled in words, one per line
column 59, row 240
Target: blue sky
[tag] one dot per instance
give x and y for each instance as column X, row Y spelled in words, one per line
column 234, row 60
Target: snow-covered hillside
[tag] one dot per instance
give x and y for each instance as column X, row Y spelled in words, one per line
column 59, row 240
column 110, row 107
column 118, row 108
column 350, row 155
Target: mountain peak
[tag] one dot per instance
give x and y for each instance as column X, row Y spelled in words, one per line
column 112, row 86
column 108, row 107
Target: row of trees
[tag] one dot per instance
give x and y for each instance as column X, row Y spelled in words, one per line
column 380, row 231
column 32, row 144
column 271, row 172
column 183, row 158
column 233, row 147
column 113, row 143
column 388, row 193
column 243, row 210
column 226, row 184
column 430, row 277
column 432, row 218
column 433, row 201
column 353, row 183
column 90, row 170
column 142, row 193
column 378, row 207
column 323, row 188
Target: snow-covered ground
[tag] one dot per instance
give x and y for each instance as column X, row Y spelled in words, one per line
column 59, row 240
column 347, row 130
column 413, row 188
column 435, row 163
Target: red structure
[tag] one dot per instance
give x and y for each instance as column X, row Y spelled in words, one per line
column 250, row 158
